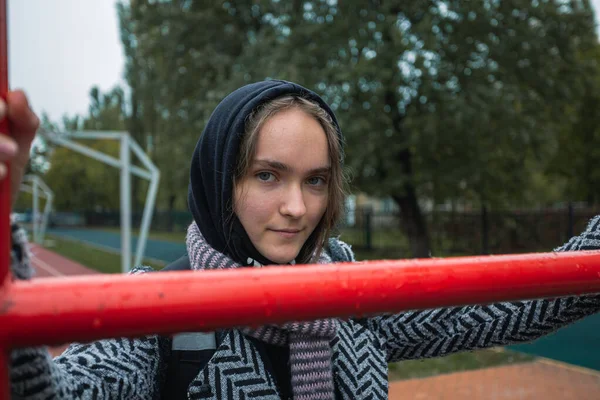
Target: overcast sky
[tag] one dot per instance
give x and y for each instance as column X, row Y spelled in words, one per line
column 59, row 49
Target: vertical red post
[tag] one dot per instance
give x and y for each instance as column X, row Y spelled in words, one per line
column 4, row 202
column 4, row 379
column 5, row 184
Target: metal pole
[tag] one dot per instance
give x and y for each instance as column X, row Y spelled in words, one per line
column 36, row 212
column 59, row 310
column 4, row 373
column 47, row 210
column 150, row 200
column 147, row 216
column 125, row 205
column 4, row 184
column 153, row 175
column 48, row 194
column 97, row 155
column 5, row 202
column 95, row 134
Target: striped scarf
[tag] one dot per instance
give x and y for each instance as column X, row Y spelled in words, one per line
column 310, row 351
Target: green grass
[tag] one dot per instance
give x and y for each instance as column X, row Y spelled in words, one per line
column 465, row 361
column 177, row 237
column 92, row 257
column 388, row 244
column 380, row 239
column 393, row 240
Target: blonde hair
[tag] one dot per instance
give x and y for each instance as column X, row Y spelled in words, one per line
column 312, row 248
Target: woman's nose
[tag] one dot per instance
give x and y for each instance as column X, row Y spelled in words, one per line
column 293, row 204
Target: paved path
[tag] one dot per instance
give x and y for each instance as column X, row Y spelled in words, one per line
column 48, row 264
column 542, row 380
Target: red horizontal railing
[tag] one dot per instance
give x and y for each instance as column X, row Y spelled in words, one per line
column 59, row 310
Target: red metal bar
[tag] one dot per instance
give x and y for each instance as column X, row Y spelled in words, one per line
column 53, row 311
column 4, row 184
column 4, row 202
column 4, row 385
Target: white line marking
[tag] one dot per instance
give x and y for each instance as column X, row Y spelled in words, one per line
column 41, row 264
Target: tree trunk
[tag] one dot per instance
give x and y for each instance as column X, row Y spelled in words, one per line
column 413, row 224
column 170, row 215
column 413, row 221
column 485, row 231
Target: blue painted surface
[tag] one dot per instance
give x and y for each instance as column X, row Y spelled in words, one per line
column 577, row 344
column 157, row 249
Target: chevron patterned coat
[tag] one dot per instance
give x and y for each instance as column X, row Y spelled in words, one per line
column 134, row 368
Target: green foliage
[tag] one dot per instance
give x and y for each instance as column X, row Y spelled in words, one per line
column 577, row 149
column 445, row 101
column 79, row 182
column 465, row 361
column 82, row 183
column 106, row 111
column 25, row 202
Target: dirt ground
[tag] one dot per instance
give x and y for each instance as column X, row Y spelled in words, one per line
column 544, row 379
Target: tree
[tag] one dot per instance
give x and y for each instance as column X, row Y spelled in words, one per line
column 577, row 150
column 79, row 182
column 180, row 63
column 106, row 111
column 439, row 100
column 444, row 99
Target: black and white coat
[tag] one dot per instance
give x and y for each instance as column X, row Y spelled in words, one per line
column 134, row 368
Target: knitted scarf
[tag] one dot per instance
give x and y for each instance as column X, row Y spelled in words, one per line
column 310, row 351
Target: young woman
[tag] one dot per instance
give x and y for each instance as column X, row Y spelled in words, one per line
column 266, row 188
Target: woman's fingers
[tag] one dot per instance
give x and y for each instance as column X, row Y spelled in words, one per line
column 8, row 147
column 23, row 121
column 15, row 144
column 8, row 150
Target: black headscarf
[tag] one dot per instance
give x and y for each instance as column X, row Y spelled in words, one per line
column 210, row 194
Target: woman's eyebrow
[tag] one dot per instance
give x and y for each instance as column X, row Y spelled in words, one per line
column 286, row 168
column 274, row 164
column 322, row 170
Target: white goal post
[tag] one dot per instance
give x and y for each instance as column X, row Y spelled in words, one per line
column 33, row 184
column 150, row 173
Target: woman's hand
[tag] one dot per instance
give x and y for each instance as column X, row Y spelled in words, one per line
column 14, row 149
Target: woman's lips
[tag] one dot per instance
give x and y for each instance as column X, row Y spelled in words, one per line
column 287, row 233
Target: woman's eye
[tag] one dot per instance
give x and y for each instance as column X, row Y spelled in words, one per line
column 265, row 176
column 316, row 181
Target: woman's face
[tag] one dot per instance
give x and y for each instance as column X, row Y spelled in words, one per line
column 283, row 195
